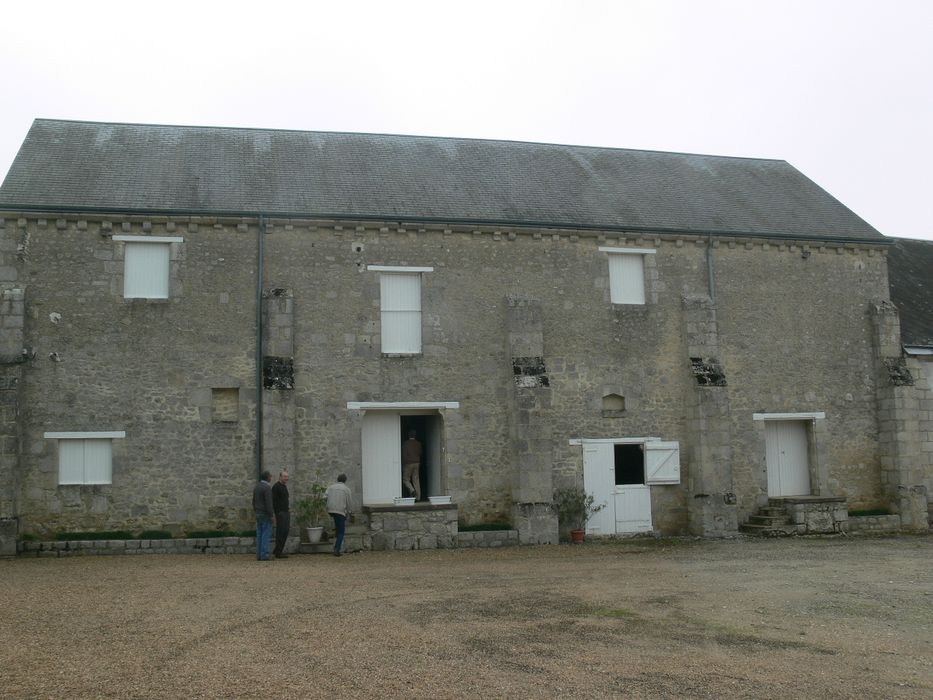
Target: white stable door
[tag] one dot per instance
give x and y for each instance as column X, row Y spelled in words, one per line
column 382, row 457
column 786, row 457
column 628, row 506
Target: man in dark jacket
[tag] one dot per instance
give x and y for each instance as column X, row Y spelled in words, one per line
column 265, row 515
column 280, row 505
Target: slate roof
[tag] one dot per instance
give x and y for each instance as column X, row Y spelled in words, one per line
column 910, row 278
column 124, row 167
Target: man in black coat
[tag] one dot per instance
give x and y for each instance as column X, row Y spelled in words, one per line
column 280, row 506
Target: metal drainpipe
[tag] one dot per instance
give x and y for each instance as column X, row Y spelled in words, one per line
column 709, row 269
column 260, row 255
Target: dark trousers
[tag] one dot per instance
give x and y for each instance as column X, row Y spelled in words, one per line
column 281, row 531
column 340, row 523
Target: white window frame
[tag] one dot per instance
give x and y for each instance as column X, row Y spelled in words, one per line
column 85, row 458
column 140, row 280
column 627, row 274
column 400, row 327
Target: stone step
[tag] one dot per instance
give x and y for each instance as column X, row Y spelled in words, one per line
column 768, row 520
column 767, row 530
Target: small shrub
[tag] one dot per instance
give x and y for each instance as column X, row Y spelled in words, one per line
column 95, row 535
column 869, row 512
column 198, row 534
column 28, row 537
column 155, row 535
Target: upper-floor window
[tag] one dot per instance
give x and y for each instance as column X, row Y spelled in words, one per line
column 400, row 308
column 147, row 266
column 85, row 458
column 627, row 274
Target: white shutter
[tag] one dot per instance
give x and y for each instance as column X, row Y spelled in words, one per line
column 71, row 461
column 382, row 457
column 146, row 270
column 627, row 278
column 401, row 312
column 599, row 480
column 97, row 462
column 662, row 462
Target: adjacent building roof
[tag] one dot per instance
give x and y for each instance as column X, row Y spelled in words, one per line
column 136, row 167
column 910, row 276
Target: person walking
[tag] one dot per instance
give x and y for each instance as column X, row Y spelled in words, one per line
column 338, row 505
column 411, row 465
column 265, row 514
column 282, row 519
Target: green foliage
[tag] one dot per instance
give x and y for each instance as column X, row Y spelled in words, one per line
column 483, row 527
column 199, row 534
column 869, row 512
column 95, row 535
column 311, row 510
column 155, row 535
column 575, row 507
column 28, row 537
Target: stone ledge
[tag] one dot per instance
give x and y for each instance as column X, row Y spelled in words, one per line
column 205, row 545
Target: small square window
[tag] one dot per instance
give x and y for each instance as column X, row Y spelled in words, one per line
column 225, row 405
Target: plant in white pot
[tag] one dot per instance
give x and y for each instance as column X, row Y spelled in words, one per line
column 311, row 511
column 574, row 508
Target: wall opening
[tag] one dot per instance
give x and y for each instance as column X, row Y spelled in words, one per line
column 629, row 464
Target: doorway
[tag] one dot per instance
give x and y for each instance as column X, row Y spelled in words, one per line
column 787, row 458
column 427, row 428
column 383, row 432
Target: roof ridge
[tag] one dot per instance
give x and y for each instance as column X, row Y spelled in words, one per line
column 410, row 136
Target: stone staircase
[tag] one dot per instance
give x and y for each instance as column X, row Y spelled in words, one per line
column 772, row 520
column 799, row 515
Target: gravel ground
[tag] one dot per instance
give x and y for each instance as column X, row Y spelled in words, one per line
column 792, row 618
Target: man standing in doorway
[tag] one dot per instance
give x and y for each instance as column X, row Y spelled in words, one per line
column 411, row 465
column 338, row 505
column 265, row 515
column 282, row 520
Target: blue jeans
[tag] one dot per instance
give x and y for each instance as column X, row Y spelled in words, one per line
column 340, row 523
column 263, row 536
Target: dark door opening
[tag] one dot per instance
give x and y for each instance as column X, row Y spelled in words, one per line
column 427, row 429
column 629, row 464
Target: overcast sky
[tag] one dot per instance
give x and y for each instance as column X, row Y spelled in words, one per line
column 841, row 89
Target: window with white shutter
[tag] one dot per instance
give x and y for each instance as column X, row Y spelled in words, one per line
column 85, row 458
column 146, row 266
column 400, row 308
column 627, row 274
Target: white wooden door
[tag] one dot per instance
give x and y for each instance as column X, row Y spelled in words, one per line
column 633, row 508
column 786, row 457
column 599, row 480
column 628, row 506
column 382, row 457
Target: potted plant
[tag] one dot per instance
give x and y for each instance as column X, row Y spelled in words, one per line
column 574, row 509
column 311, row 511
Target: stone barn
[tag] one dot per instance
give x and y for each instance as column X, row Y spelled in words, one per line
column 696, row 340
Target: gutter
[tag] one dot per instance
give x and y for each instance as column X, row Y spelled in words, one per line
column 260, row 261
column 446, row 221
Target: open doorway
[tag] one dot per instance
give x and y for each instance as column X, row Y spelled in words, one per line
column 428, row 432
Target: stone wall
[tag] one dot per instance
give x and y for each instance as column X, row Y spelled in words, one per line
column 793, row 333
column 822, row 516
column 874, row 523
column 412, row 527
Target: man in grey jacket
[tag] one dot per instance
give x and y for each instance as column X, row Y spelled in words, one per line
column 265, row 515
column 338, row 505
